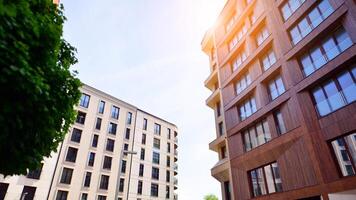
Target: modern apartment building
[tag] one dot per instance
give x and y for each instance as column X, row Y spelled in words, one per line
column 113, row 151
column 283, row 82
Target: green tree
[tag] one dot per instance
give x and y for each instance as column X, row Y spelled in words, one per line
column 211, row 197
column 38, row 91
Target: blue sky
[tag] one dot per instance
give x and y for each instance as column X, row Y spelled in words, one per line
column 148, row 53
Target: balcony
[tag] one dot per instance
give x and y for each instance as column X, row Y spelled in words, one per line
column 213, row 99
column 221, row 170
column 216, row 144
column 211, row 81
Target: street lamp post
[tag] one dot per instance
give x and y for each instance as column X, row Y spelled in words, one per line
column 119, row 172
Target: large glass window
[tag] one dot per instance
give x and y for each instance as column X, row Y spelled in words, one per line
column 276, row 87
column 84, row 100
column 115, row 112
column 262, row 36
column 155, row 173
column 242, row 83
column 328, row 49
column 281, row 128
column 129, row 118
column 107, row 162
column 80, row 117
column 289, row 7
column 157, row 129
column 268, row 60
column 239, row 59
column 112, row 128
column 104, row 182
column 101, row 107
column 336, row 92
column 62, row 195
column 110, row 144
column 66, row 177
column 247, row 108
column 265, row 180
column 256, row 135
column 312, row 20
column 71, row 154
column 154, row 189
column 91, row 159
column 238, row 36
column 87, row 179
column 76, row 135
column 156, row 143
column 98, row 123
column 155, row 157
column 345, row 152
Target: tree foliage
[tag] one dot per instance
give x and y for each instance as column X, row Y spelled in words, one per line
column 211, row 197
column 38, row 90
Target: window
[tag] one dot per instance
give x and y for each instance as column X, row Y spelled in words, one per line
column 84, row 100
column 155, row 173
column 84, row 196
column 253, row 18
column 80, row 117
column 154, row 190
column 168, row 176
column 289, row 7
column 157, row 129
column 35, row 174
column 61, row 195
column 239, row 59
column 66, row 177
column 230, row 22
column 247, row 108
column 94, row 142
column 129, row 118
column 87, row 179
column 101, row 197
column 3, row 190
column 144, row 127
column 115, row 112
column 71, row 154
column 336, row 92
column 110, row 145
column 104, row 182
column 91, row 159
column 123, row 166
column 143, row 140
column 268, row 60
column 276, row 87
column 218, row 109
column 242, row 83
column 223, row 152
column 168, row 147
column 112, row 128
column 345, row 153
column 126, row 148
column 322, row 53
column 141, row 170
column 312, row 20
column 121, row 185
column 107, row 162
column 98, row 123
column 76, row 135
column 167, row 192
column 278, row 118
column 262, row 36
column 168, row 161
column 221, row 128
column 28, row 193
column 256, row 135
column 156, row 143
column 155, row 157
column 168, row 133
column 265, row 180
column 127, row 134
column 238, row 36
column 101, row 107
column 139, row 187
column 142, row 155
